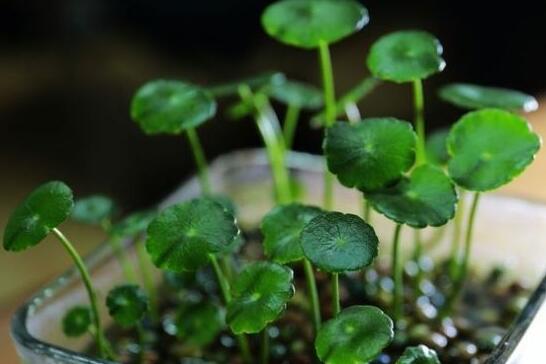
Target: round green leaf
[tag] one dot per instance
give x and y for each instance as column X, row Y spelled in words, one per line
column 93, row 209
column 42, row 210
column 134, row 224
column 308, row 23
column 260, row 294
column 437, row 147
column 297, row 94
column 489, row 148
column 281, row 229
column 77, row 321
column 426, row 198
column 170, row 107
column 471, row 97
column 337, row 242
column 418, row 355
column 199, row 323
column 406, row 56
column 356, row 335
column 182, row 236
column 127, row 304
column 370, row 154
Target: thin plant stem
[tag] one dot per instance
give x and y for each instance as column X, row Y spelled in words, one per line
column 463, row 267
column 80, row 265
column 313, row 293
column 330, row 115
column 366, row 210
column 200, row 161
column 269, row 128
column 398, row 292
column 141, row 340
column 147, row 278
column 128, row 270
column 454, row 260
column 419, row 109
column 226, row 293
column 289, row 125
column 336, row 305
column 264, row 357
column 226, row 262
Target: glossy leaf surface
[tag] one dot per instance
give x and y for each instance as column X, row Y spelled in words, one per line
column 182, row 236
column 489, row 148
column 42, row 210
column 356, row 335
column 336, row 242
column 370, row 154
column 308, row 23
column 281, row 229
column 426, row 198
column 77, row 321
column 260, row 294
column 406, row 56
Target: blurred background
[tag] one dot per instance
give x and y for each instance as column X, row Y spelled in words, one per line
column 68, row 70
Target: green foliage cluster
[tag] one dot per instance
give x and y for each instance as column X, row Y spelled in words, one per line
column 405, row 176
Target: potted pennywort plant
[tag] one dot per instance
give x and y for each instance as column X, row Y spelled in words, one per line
column 247, row 270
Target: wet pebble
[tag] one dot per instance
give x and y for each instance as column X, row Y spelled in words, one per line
column 448, row 328
column 425, row 309
column 466, row 350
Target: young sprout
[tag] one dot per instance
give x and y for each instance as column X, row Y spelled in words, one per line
column 173, row 107
column 297, row 96
column 352, row 97
column 127, row 304
column 426, row 198
column 256, row 83
column 189, row 235
column 337, row 243
column 488, row 149
column 357, row 335
column 418, row 355
column 77, row 321
column 468, row 96
column 260, row 294
column 94, row 210
column 99, row 210
column 270, row 130
column 40, row 214
column 281, row 229
column 314, row 24
column 408, row 56
column 198, row 324
column 133, row 227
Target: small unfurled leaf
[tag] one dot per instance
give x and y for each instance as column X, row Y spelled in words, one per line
column 255, row 83
column 260, row 294
column 370, row 154
column 42, row 210
column 308, row 23
column 337, row 242
column 134, row 224
column 170, row 107
column 356, row 335
column 437, row 147
column 489, row 148
column 77, row 321
column 418, row 355
column 182, row 236
column 282, row 227
column 199, row 323
column 93, row 209
column 127, row 304
column 298, row 94
column 471, row 97
column 406, row 56
column 426, row 198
